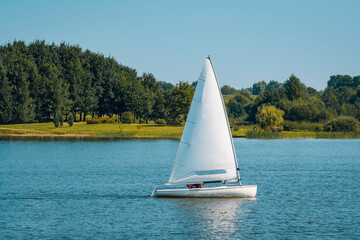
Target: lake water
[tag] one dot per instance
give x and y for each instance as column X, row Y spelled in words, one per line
column 307, row 188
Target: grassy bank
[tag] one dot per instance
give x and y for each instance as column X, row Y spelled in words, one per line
column 274, row 135
column 117, row 130
column 93, row 130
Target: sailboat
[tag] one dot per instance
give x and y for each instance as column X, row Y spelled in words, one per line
column 206, row 151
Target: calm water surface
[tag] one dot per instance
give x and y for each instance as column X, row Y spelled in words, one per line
column 81, row 189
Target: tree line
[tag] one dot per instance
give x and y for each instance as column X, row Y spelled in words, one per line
column 341, row 98
column 40, row 80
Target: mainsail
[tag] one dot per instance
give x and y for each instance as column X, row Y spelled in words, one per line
column 206, row 152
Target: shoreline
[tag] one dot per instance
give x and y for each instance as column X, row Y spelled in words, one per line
column 85, row 137
column 76, row 137
column 84, row 131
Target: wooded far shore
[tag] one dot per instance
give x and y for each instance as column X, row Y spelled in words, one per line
column 43, row 83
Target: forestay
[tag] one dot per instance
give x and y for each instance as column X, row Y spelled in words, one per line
column 205, row 152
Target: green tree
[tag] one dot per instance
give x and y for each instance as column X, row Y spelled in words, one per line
column 337, row 81
column 56, row 120
column 70, row 119
column 227, row 90
column 178, row 101
column 6, row 103
column 61, row 120
column 54, row 94
column 24, row 109
column 259, row 87
column 236, row 106
column 273, row 85
column 301, row 112
column 294, row 89
column 342, row 124
column 272, row 97
column 166, row 86
column 269, row 116
column 331, row 101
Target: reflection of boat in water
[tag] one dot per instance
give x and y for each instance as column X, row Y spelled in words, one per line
column 206, row 151
column 213, row 218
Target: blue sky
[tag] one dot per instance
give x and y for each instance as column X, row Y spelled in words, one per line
column 248, row 41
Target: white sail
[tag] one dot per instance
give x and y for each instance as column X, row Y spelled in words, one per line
column 205, row 152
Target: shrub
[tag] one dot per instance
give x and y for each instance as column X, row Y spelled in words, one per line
column 161, row 121
column 269, row 116
column 127, row 117
column 70, row 119
column 56, row 120
column 99, row 120
column 302, row 126
column 61, row 119
column 342, row 124
column 318, row 127
column 235, row 128
column 139, row 127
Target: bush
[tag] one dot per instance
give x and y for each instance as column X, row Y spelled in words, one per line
column 61, row 119
column 127, row 117
column 269, row 116
column 70, row 119
column 302, row 126
column 99, row 120
column 56, row 120
column 318, row 127
column 161, row 121
column 342, row 124
column 235, row 128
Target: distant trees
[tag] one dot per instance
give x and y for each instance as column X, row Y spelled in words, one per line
column 237, row 105
column 258, row 88
column 227, row 90
column 178, row 102
column 300, row 103
column 165, row 85
column 6, row 101
column 39, row 80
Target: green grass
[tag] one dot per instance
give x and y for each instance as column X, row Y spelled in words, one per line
column 274, row 135
column 95, row 130
column 146, row 131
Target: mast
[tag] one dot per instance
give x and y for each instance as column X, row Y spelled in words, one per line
column 228, row 124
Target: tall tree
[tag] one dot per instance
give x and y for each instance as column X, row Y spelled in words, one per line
column 259, row 87
column 6, row 102
column 294, row 89
column 273, row 85
column 178, row 101
column 23, row 110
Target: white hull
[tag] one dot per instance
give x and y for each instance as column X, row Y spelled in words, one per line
column 248, row 191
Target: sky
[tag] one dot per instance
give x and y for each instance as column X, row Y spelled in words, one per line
column 248, row 41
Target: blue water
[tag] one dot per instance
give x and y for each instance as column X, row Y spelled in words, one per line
column 307, row 188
